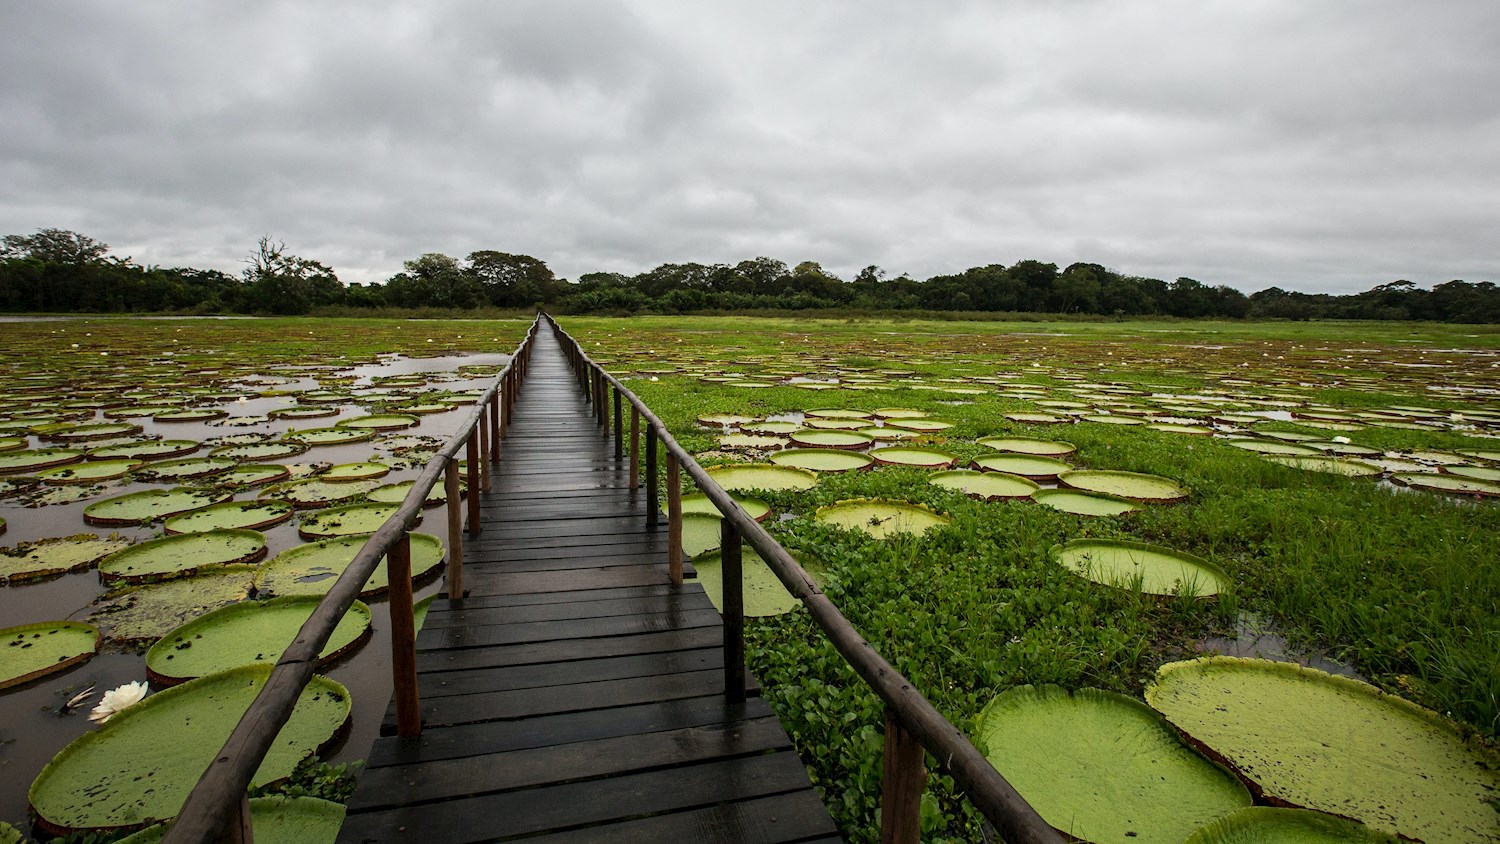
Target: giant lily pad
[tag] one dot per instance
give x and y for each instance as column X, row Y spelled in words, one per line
column 346, row 521
column 1145, row 568
column 699, row 503
column 762, row 590
column 1488, row 474
column 1328, row 465
column 985, row 485
column 1266, row 825
column 1025, row 465
column 148, row 612
column 1305, row 738
column 332, row 436
column 814, row 438
column 182, row 556
column 1132, row 485
column 314, row 493
column 743, row 477
column 913, row 456
column 1102, row 767
column 249, row 515
column 148, row 450
column 380, row 422
column 1030, row 445
column 396, row 493
column 701, row 532
column 822, row 459
column 252, row 474
column 260, row 451
column 355, row 472
column 56, row 556
column 1273, row 447
column 926, row 426
column 880, row 517
column 1446, row 483
column 171, row 471
column 140, row 766
column 275, row 820
column 89, row 472
column 36, row 650
column 245, row 633
column 311, row 569
column 138, row 508
column 92, row 431
column 14, row 462
column 1081, row 503
column 751, row 441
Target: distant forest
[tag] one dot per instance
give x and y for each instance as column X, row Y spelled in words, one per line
column 58, row 271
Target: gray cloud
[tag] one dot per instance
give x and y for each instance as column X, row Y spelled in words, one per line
column 1329, row 146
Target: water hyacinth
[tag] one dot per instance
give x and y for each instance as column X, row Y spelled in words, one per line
column 115, row 700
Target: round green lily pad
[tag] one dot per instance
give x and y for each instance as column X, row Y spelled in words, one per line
column 92, row 431
column 311, row 569
column 355, row 472
column 1101, row 767
column 192, row 467
column 182, row 555
column 1081, row 503
column 1273, row 447
column 1112, row 419
column 699, row 503
column 380, row 422
column 261, row 451
column 1132, row 485
column 900, row 413
column 1036, row 418
column 751, row 441
column 36, row 650
column 191, row 414
column 1025, row 465
column 125, row 774
column 138, row 508
column 345, row 521
column 253, row 474
column 1136, row 566
column 822, row 459
column 985, row 485
column 914, row 456
column 1488, row 474
column 1179, row 428
column 303, row 412
column 1267, row 825
column 396, row 493
column 55, row 556
column 1030, row 445
column 743, row 477
column 12, row 444
column 701, row 532
column 1309, row 739
column 1481, row 454
column 313, row 493
column 1453, row 484
column 815, row 438
column 248, row 515
column 149, row 450
column 839, row 413
column 332, row 436
column 880, row 517
column 15, row 462
column 723, row 420
column 762, row 590
column 147, row 612
column 926, row 426
column 889, row 434
column 836, row 424
column 245, row 633
column 1328, row 465
column 275, row 820
column 774, row 427
column 88, row 472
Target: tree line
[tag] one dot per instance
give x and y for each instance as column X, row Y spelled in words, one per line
column 59, row 271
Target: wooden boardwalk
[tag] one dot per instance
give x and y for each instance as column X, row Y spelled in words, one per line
column 574, row 694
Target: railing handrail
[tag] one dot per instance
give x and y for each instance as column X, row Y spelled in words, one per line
column 995, row 798
column 211, row 806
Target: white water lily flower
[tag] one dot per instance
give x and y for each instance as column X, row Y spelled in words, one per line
column 115, row 700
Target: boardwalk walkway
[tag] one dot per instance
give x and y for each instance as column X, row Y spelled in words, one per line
column 573, row 694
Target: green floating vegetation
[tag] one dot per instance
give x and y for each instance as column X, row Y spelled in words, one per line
column 315, row 492
column 1081, row 503
column 274, row 820
column 246, row 633
column 1309, row 739
column 260, row 451
column 139, row 508
column 1136, row 566
column 48, row 557
column 913, row 456
column 822, row 459
column 89, row 472
column 1267, row 825
column 247, row 515
column 1029, row 445
column 253, row 474
column 773, row 427
column 723, row 420
column 32, row 651
column 880, row 517
column 396, row 493
column 1131, row 485
column 699, row 503
column 380, row 422
column 822, row 438
column 16, row 462
column 355, row 472
column 1102, row 767
column 1327, row 465
column 192, row 467
column 148, row 450
column 701, row 532
column 1179, row 428
column 11, row 835
column 925, row 426
column 762, row 590
column 840, row 413
column 332, row 436
column 744, row 441
column 92, row 431
column 182, row 555
column 744, row 477
column 313, row 568
column 1274, row 447
column 140, row 765
column 304, row 412
column 1036, row 418
column 986, row 485
column 145, row 613
column 12, row 444
column 1452, row 484
column 1488, row 474
column 1025, row 465
column 191, row 414
column 346, row 521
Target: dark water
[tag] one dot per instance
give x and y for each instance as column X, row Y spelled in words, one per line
column 32, row 725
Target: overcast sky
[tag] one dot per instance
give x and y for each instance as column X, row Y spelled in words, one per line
column 1320, row 146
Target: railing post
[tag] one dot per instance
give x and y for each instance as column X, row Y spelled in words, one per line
column 403, row 639
column 601, row 407
column 495, row 427
column 635, row 448
column 904, row 777
column 674, row 520
column 619, row 429
column 473, row 455
column 652, row 516
column 239, row 829
column 455, row 530
column 734, row 612
column 484, row 454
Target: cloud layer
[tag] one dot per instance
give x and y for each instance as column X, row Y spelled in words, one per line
column 1323, row 146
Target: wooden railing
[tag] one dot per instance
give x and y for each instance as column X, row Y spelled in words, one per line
column 913, row 727
column 217, row 809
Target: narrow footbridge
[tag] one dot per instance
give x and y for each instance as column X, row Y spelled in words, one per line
column 572, row 684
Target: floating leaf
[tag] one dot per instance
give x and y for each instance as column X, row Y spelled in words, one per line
column 1081, row 503
column 822, row 459
column 56, row 556
column 148, row 612
column 743, row 477
column 1266, row 825
column 245, row 633
column 1132, row 485
column 182, row 555
column 248, row 515
column 1137, row 566
column 762, row 590
column 985, row 485
column 139, row 508
column 36, row 650
column 346, row 521
column 313, row 568
column 880, row 517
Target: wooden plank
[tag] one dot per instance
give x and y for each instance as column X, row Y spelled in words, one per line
column 567, row 649
column 795, row 817
column 542, row 675
column 439, row 618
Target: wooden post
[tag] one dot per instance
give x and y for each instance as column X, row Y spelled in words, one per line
column 495, row 428
column 601, row 409
column 454, row 505
column 505, row 402
column 901, row 785
column 473, row 454
column 484, row 454
column 734, row 612
column 635, row 449
column 403, row 639
column 674, row 521
column 619, row 429
column 652, row 516
column 238, row 829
